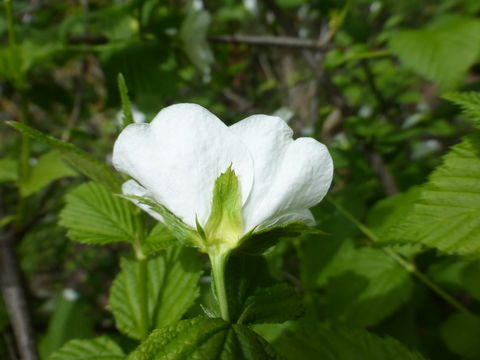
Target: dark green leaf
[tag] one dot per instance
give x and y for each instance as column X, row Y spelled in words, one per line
column 101, row 348
column 469, row 102
column 460, row 332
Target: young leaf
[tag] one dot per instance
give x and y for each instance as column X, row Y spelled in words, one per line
column 101, row 348
column 442, row 52
column 254, row 297
column 326, row 343
column 50, row 167
column 8, row 170
column 78, row 159
column 447, row 215
column 469, row 102
column 159, row 238
column 127, row 116
column 93, row 215
column 172, row 288
column 204, row 338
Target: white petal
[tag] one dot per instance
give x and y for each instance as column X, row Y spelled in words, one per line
column 303, row 215
column 131, row 187
column 178, row 157
column 290, row 176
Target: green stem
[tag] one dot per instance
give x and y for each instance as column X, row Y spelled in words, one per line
column 142, row 287
column 406, row 264
column 12, row 39
column 219, row 260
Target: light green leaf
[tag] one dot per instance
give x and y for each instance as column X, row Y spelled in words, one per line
column 78, row 159
column 8, row 170
column 469, row 102
column 460, row 332
column 159, row 238
column 101, row 348
column 331, row 343
column 193, row 33
column 204, row 338
column 447, row 215
column 442, row 52
column 49, row 167
column 93, row 215
column 68, row 311
column 225, row 223
column 172, row 289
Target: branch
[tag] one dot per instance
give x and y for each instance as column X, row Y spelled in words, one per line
column 282, row 41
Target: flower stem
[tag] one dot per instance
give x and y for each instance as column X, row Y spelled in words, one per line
column 219, row 260
column 142, row 287
column 409, row 266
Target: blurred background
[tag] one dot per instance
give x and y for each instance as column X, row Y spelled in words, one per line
column 367, row 78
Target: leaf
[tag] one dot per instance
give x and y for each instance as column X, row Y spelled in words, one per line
column 101, row 348
column 447, row 215
column 158, row 239
column 442, row 52
column 172, row 289
column 469, row 278
column 225, row 223
column 339, row 343
column 94, row 216
column 254, row 297
column 8, row 170
column 67, row 311
column 193, row 33
column 469, row 103
column 460, row 333
column 78, row 159
column 127, row 117
column 258, row 242
column 204, row 338
column 49, row 167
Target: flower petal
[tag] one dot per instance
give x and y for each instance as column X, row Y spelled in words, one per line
column 131, row 187
column 178, row 157
column 290, row 176
column 303, row 215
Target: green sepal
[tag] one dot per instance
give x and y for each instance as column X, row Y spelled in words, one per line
column 204, row 338
column 257, row 242
column 225, row 224
column 174, row 224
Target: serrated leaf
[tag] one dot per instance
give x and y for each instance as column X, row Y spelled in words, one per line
column 159, row 238
column 172, row 285
column 338, row 343
column 78, row 159
column 101, row 348
column 258, row 242
column 204, row 338
column 442, row 52
column 49, row 167
column 93, row 215
column 8, row 170
column 469, row 102
column 460, row 333
column 447, row 215
column 254, row 297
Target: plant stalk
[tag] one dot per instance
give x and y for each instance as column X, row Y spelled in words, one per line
column 219, row 260
column 142, row 287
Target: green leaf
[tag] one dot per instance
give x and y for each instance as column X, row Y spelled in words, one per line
column 68, row 310
column 447, row 215
column 93, row 215
column 254, row 297
column 460, row 333
column 127, row 116
column 258, row 242
column 49, row 167
column 442, row 52
column 159, row 238
column 172, row 289
column 193, row 33
column 8, row 170
column 101, row 348
column 225, row 223
column 470, row 275
column 78, row 159
column 338, row 343
column 204, row 338
column 469, row 102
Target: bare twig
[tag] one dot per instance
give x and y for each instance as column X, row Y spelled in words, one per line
column 283, row 41
column 383, row 173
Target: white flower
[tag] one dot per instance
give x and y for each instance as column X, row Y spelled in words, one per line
column 176, row 159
